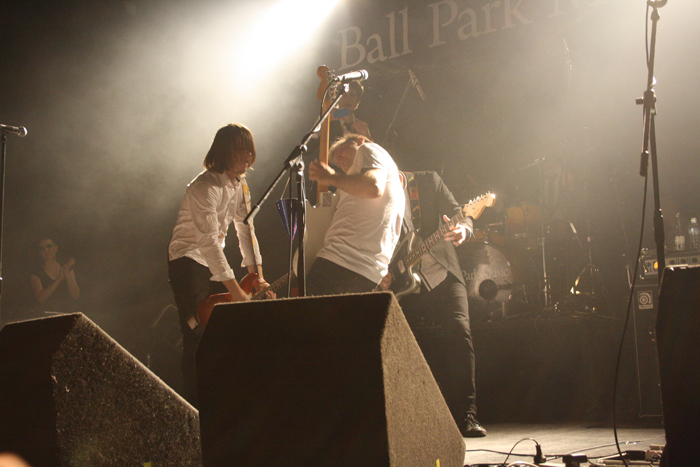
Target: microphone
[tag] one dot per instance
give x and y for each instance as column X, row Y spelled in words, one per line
column 352, row 76
column 14, row 130
column 416, row 84
column 656, row 3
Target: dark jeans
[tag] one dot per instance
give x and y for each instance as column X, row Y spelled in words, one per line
column 452, row 361
column 327, row 278
column 191, row 284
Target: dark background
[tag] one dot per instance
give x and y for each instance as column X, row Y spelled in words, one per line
column 122, row 99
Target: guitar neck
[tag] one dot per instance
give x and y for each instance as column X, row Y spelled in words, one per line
column 275, row 287
column 415, row 255
column 324, row 73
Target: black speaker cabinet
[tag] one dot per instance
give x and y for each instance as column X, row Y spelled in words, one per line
column 71, row 396
column 645, row 307
column 678, row 334
column 320, row 381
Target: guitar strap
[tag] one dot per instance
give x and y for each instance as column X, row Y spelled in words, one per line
column 248, row 207
column 414, row 200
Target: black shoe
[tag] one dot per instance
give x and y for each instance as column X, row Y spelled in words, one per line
column 470, row 428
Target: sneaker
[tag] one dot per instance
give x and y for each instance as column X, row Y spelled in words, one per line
column 470, row 428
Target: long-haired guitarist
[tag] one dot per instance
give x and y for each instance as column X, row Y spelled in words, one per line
column 442, row 294
column 367, row 223
column 197, row 265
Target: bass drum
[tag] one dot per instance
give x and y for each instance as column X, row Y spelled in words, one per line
column 494, row 284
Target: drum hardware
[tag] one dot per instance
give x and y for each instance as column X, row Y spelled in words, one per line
column 490, row 233
column 523, row 220
column 496, row 286
column 589, row 289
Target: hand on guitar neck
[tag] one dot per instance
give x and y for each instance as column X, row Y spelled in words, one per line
column 457, row 233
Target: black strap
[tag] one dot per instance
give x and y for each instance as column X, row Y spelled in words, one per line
column 414, row 199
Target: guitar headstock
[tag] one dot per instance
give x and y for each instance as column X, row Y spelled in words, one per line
column 326, row 76
column 326, row 96
column 476, row 206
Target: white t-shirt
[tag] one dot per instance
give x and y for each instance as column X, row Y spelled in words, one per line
column 211, row 203
column 364, row 231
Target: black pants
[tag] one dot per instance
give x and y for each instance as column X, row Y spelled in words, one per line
column 451, row 357
column 191, row 284
column 327, row 278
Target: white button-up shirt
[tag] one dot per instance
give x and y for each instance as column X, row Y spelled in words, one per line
column 211, row 203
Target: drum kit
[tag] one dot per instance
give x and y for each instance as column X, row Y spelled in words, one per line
column 523, row 260
column 500, row 265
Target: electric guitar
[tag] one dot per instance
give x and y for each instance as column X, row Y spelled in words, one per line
column 250, row 285
column 320, row 216
column 409, row 252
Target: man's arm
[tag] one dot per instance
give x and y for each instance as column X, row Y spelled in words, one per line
column 369, row 183
column 237, row 293
column 448, row 205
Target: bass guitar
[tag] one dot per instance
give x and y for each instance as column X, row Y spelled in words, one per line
column 250, row 285
column 320, row 215
column 410, row 250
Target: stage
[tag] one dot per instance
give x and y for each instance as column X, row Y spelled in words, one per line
column 556, row 440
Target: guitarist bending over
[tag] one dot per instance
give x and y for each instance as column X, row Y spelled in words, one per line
column 443, row 295
column 197, row 265
column 367, row 223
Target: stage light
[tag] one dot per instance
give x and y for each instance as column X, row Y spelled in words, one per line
column 281, row 32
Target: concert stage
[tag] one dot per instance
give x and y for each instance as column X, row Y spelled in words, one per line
column 556, row 440
column 543, row 377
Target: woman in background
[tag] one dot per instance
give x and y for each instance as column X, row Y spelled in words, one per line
column 54, row 284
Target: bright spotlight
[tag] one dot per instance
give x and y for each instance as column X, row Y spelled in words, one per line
column 283, row 30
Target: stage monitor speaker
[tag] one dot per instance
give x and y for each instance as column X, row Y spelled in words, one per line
column 70, row 395
column 678, row 335
column 320, row 381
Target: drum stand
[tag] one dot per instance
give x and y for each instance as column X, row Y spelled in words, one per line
column 584, row 288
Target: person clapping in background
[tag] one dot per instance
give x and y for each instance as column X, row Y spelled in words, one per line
column 54, row 285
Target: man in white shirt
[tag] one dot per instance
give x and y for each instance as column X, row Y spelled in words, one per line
column 367, row 223
column 197, row 265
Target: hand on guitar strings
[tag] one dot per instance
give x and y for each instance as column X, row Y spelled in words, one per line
column 261, row 285
column 385, row 283
column 321, row 172
column 457, row 233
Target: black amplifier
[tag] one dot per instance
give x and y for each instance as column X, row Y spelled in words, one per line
column 649, row 265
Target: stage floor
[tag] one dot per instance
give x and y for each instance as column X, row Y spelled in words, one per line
column 556, row 439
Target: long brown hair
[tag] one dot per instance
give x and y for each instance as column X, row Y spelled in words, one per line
column 231, row 144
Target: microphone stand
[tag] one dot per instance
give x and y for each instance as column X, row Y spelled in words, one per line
column 295, row 164
column 3, row 153
column 649, row 143
column 385, row 141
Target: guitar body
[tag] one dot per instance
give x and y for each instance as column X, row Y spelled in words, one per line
column 318, row 220
column 206, row 306
column 250, row 285
column 405, row 276
column 406, row 260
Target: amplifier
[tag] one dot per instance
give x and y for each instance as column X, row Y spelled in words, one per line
column 649, row 266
